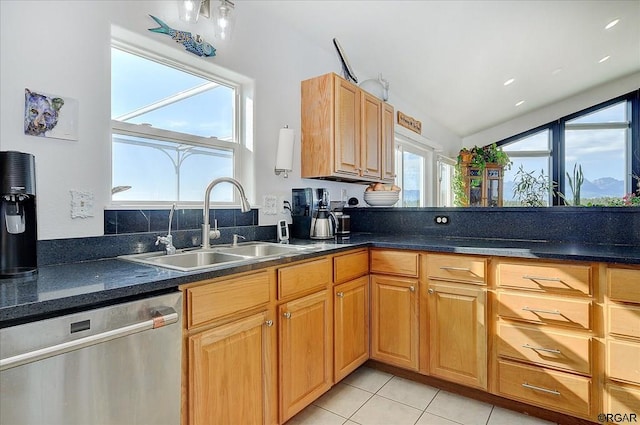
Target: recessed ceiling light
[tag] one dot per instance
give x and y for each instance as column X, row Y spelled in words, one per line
column 509, row 81
column 520, row 103
column 606, row 58
column 612, row 24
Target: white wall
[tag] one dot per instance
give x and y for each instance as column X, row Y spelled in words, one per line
column 555, row 111
column 63, row 48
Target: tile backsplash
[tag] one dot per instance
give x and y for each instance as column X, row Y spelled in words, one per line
column 118, row 222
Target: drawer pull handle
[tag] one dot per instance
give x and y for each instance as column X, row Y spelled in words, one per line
column 340, row 294
column 548, row 350
column 544, row 390
column 456, row 269
column 549, row 279
column 539, row 310
column 287, row 315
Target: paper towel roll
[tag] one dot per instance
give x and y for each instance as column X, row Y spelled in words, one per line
column 284, row 153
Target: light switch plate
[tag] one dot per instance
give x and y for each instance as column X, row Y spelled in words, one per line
column 81, row 204
column 270, row 204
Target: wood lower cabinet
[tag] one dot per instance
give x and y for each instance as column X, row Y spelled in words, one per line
column 230, row 373
column 350, row 326
column 458, row 333
column 547, row 351
column 394, row 320
column 305, row 331
column 622, row 356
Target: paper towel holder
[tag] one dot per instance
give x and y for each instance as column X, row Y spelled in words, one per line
column 284, row 152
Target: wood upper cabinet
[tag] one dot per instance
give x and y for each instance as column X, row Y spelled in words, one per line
column 350, row 326
column 457, row 333
column 371, row 136
column 231, row 374
column 344, row 136
column 394, row 320
column 388, row 143
column 306, row 351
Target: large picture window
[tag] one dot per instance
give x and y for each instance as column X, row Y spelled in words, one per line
column 593, row 153
column 173, row 131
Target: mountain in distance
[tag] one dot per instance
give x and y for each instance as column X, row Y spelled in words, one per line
column 601, row 187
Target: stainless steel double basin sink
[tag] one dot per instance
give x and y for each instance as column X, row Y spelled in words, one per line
column 196, row 259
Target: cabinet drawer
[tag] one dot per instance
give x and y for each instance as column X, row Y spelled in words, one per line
column 624, row 285
column 623, row 360
column 304, row 277
column 457, row 267
column 350, row 266
column 534, row 385
column 623, row 320
column 622, row 400
column 549, row 348
column 226, row 297
column 402, row 263
column 561, row 278
column 540, row 309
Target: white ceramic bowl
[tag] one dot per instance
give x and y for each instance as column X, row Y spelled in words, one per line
column 381, row 198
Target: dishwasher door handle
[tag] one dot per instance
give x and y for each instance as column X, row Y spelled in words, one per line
column 32, row 356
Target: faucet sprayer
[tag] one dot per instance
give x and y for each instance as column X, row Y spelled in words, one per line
column 207, row 234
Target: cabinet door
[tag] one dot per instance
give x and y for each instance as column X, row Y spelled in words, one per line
column 351, row 326
column 394, row 321
column 230, row 375
column 458, row 336
column 371, row 134
column 388, row 143
column 347, row 128
column 306, row 352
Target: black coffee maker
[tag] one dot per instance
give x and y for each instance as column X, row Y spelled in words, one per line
column 18, row 232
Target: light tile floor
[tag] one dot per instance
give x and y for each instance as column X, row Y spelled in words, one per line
column 372, row 397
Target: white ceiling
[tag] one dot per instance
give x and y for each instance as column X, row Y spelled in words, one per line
column 451, row 58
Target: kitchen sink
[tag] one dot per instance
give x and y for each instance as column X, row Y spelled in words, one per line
column 262, row 249
column 196, row 259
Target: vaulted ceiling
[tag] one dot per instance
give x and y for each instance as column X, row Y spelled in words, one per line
column 452, row 58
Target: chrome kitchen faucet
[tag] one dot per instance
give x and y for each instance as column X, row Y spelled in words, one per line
column 168, row 240
column 207, row 233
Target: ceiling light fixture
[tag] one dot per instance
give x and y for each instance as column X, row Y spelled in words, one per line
column 520, row 103
column 606, row 58
column 224, row 19
column 612, row 24
column 189, row 10
column 509, row 81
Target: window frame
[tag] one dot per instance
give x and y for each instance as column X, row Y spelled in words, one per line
column 404, row 144
column 235, row 145
column 557, row 130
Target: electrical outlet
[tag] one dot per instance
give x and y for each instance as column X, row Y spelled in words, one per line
column 282, row 201
column 441, row 219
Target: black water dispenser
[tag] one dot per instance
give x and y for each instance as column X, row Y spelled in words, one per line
column 18, row 232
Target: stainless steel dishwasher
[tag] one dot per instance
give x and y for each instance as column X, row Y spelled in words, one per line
column 114, row 365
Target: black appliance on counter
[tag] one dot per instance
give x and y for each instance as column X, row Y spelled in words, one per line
column 306, row 202
column 18, row 230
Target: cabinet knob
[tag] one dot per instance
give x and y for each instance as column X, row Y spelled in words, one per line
column 366, row 170
column 339, row 294
column 412, row 288
column 430, row 291
column 287, row 315
column 269, row 323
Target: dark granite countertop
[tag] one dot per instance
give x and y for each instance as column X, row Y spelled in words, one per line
column 65, row 288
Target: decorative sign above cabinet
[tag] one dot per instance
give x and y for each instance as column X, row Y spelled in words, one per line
column 409, row 122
